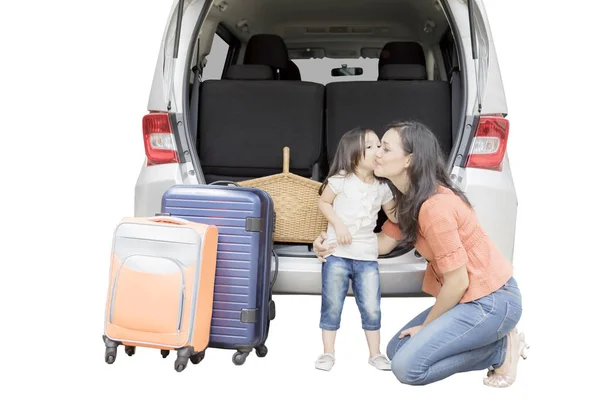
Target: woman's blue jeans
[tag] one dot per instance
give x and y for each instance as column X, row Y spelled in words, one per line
column 470, row 336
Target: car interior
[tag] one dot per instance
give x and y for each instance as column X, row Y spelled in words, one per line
column 302, row 73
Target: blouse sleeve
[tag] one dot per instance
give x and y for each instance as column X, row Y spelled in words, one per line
column 439, row 225
column 392, row 230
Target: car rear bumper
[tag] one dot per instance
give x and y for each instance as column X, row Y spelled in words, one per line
column 400, row 276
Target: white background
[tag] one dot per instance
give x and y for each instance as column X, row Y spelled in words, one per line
column 75, row 82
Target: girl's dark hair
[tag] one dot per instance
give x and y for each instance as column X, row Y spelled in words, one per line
column 351, row 149
column 426, row 170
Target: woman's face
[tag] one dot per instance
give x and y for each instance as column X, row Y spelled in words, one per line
column 391, row 161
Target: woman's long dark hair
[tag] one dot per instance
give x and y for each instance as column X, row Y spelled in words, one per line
column 351, row 149
column 426, row 170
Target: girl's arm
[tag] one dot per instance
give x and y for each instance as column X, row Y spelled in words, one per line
column 390, row 211
column 326, row 207
column 388, row 204
column 385, row 244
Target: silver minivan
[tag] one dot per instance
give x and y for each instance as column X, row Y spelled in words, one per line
column 236, row 80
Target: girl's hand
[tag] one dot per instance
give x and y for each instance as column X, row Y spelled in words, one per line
column 411, row 331
column 343, row 235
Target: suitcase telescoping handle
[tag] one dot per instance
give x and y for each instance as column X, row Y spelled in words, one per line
column 166, row 218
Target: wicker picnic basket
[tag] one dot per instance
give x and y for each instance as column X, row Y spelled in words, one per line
column 298, row 218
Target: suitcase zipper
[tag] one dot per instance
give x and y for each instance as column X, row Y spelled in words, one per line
column 181, row 298
column 182, row 295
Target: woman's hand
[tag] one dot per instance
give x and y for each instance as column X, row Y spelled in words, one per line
column 385, row 245
column 411, row 331
column 320, row 250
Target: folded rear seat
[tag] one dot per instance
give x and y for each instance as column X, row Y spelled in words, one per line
column 247, row 118
column 401, row 93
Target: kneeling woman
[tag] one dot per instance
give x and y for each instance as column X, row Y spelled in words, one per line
column 472, row 324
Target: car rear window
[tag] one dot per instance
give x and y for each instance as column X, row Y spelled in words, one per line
column 318, row 70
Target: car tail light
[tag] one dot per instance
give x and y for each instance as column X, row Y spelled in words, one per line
column 489, row 143
column 159, row 141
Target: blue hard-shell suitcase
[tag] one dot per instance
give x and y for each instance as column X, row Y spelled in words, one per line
column 246, row 263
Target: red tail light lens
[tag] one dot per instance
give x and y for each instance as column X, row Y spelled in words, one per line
column 159, row 141
column 489, row 144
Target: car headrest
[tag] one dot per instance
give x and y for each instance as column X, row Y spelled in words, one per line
column 402, row 72
column 402, row 53
column 291, row 73
column 249, row 72
column 267, row 49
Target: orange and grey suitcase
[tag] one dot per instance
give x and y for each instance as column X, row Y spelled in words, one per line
column 161, row 288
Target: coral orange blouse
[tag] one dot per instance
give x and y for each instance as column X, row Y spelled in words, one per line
column 450, row 236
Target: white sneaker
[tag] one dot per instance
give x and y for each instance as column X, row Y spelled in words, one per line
column 380, row 362
column 325, row 362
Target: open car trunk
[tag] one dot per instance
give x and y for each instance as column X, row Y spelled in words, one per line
column 260, row 104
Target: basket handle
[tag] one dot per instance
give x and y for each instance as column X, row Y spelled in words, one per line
column 286, row 160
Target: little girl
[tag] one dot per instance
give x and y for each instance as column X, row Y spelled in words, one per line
column 351, row 198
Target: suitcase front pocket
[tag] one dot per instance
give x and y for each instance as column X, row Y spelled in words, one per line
column 148, row 295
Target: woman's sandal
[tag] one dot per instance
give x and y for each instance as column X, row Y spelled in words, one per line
column 517, row 349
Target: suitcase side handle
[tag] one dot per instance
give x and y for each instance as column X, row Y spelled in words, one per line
column 169, row 220
column 276, row 269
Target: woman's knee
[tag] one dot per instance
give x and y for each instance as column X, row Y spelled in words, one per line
column 394, row 345
column 406, row 368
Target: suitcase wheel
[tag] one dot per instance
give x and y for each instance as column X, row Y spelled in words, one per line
column 197, row 357
column 239, row 358
column 130, row 350
column 261, row 351
column 181, row 363
column 110, row 355
column 183, row 356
